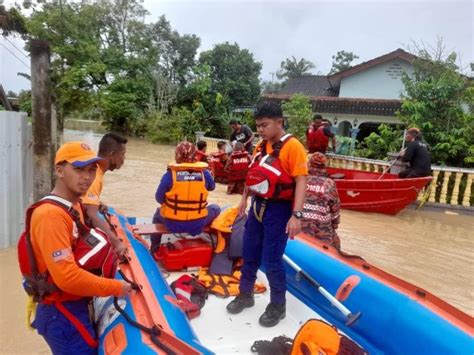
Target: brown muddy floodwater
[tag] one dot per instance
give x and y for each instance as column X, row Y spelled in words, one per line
column 431, row 248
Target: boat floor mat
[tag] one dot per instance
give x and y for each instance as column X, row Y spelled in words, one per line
column 221, row 264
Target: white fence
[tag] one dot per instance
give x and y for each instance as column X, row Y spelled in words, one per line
column 16, row 175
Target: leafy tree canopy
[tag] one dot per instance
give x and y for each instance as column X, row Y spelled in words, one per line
column 341, row 61
column 292, row 67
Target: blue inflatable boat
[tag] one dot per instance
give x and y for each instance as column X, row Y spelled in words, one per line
column 396, row 317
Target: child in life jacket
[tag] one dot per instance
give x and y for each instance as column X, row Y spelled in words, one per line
column 218, row 161
column 182, row 193
column 237, row 167
column 201, row 152
column 57, row 261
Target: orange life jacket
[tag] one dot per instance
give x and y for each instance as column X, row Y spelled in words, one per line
column 223, row 285
column 238, row 166
column 187, row 198
column 317, row 337
column 266, row 177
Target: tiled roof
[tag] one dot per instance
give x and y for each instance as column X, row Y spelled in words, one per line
column 360, row 106
column 309, row 85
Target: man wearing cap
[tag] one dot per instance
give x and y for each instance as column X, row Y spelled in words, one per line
column 112, row 153
column 53, row 235
column 322, row 204
column 417, row 155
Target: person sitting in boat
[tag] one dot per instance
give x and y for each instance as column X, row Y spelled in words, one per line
column 318, row 134
column 201, row 151
column 217, row 162
column 59, row 255
column 417, row 155
column 183, row 192
column 322, row 204
column 237, row 167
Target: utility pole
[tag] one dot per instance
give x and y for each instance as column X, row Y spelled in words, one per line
column 43, row 146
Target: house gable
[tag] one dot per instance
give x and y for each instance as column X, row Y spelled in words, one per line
column 382, row 81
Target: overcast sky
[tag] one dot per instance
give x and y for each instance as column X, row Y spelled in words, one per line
column 275, row 30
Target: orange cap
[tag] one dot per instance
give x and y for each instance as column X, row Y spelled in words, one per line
column 78, row 154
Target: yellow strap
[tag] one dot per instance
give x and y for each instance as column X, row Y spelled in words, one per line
column 263, row 207
column 30, row 311
column 220, row 245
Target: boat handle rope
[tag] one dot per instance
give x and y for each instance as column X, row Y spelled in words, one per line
column 154, row 331
column 351, row 318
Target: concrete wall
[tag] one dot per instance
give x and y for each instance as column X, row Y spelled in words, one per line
column 383, row 81
column 16, row 175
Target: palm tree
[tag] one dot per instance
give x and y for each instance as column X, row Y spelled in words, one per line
column 293, row 67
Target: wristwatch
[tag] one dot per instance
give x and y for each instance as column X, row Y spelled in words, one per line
column 298, row 214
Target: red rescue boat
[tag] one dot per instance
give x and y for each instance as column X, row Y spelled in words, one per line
column 374, row 192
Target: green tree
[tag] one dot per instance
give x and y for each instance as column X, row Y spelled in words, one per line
column 12, row 21
column 292, row 67
column 24, row 101
column 298, row 113
column 341, row 61
column 234, row 74
column 378, row 144
column 439, row 101
column 98, row 47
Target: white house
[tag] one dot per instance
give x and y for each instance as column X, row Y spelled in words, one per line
column 362, row 96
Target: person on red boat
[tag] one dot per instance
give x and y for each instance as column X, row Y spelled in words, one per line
column 417, row 155
column 321, row 206
column 237, row 167
column 182, row 193
column 56, row 267
column 201, row 151
column 318, row 135
column 277, row 182
column 218, row 161
column 241, row 133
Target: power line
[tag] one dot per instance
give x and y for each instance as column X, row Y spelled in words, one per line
column 13, row 44
column 13, row 54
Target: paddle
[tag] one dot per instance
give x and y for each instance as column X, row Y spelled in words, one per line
column 351, row 317
column 398, row 156
column 389, row 167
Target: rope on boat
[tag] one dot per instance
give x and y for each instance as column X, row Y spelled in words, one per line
column 154, row 332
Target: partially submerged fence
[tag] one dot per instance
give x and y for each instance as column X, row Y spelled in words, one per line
column 16, row 175
column 450, row 186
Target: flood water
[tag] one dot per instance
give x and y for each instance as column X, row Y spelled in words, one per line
column 433, row 249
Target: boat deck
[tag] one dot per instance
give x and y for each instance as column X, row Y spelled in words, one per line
column 226, row 333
